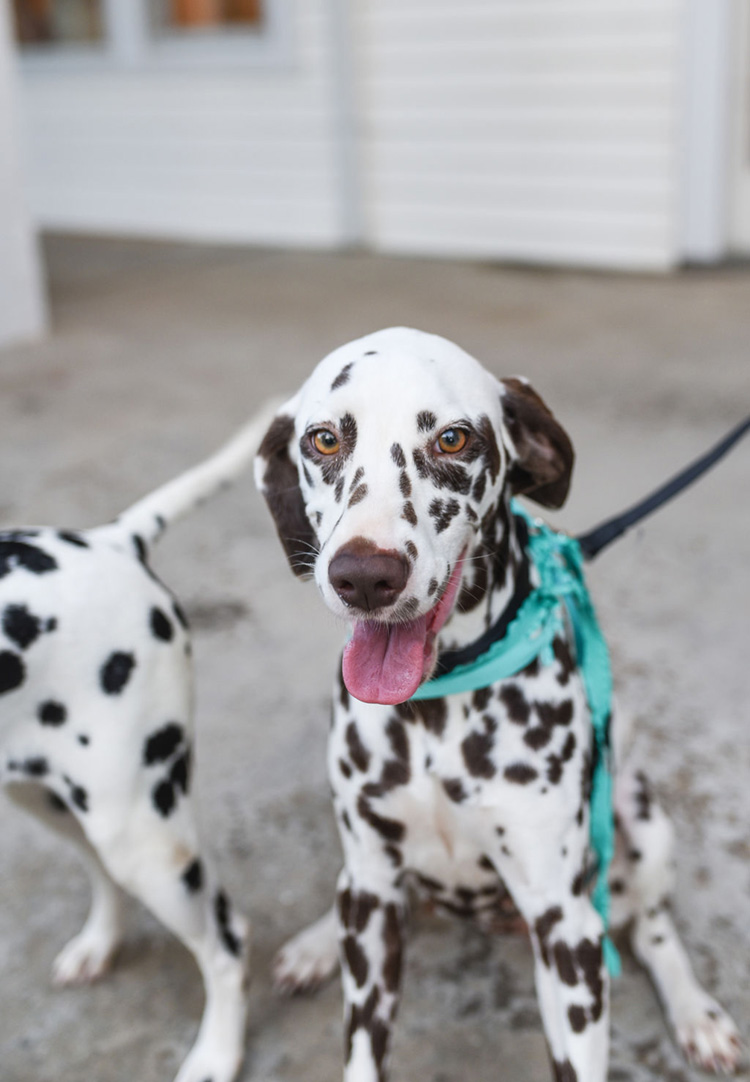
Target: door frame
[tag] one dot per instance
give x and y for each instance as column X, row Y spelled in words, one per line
column 739, row 166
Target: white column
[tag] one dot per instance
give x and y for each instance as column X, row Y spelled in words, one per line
column 706, row 110
column 22, row 302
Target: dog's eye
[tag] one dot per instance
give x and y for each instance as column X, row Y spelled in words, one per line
column 452, row 440
column 325, row 441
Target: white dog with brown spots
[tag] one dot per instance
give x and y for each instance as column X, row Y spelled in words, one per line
column 389, row 476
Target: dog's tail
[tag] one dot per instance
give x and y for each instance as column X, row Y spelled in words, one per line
column 144, row 521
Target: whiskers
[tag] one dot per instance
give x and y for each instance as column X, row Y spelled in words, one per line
column 305, row 555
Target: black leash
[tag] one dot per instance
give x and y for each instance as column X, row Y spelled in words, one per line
column 591, row 543
column 597, row 539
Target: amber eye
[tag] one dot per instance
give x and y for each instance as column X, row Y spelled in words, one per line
column 325, row 441
column 452, row 440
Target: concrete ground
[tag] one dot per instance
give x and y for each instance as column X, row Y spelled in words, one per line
column 157, row 353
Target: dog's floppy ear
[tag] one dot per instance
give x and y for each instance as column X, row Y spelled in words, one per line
column 277, row 478
column 541, row 454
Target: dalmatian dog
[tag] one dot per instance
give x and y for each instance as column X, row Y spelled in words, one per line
column 389, row 476
column 95, row 723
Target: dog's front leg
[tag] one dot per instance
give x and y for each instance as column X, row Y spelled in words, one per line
column 371, row 929
column 571, row 977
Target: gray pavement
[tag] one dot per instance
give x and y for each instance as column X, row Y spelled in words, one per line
column 158, row 352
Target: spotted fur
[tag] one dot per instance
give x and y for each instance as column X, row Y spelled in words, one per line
column 96, row 738
column 478, row 801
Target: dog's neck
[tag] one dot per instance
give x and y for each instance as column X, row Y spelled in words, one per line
column 496, row 568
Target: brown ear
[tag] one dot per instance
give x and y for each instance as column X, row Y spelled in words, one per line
column 277, row 478
column 541, row 454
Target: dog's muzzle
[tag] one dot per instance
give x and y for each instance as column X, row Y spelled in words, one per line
column 366, row 577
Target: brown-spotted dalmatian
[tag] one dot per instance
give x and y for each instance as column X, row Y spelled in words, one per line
column 96, row 738
column 389, row 476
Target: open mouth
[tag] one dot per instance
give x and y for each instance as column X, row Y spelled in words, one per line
column 386, row 663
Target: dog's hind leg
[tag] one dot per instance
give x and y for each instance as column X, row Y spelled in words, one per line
column 88, row 955
column 641, row 879
column 155, row 855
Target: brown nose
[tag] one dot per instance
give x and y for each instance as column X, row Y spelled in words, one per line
column 366, row 577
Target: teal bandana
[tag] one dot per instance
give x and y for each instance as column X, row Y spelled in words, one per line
column 559, row 562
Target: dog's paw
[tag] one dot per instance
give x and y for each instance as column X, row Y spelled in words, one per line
column 86, row 958
column 308, row 959
column 206, row 1062
column 709, row 1039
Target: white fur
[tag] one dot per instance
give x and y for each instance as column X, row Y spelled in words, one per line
column 480, row 796
column 86, row 745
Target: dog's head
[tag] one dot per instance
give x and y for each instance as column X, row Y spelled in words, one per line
column 380, row 474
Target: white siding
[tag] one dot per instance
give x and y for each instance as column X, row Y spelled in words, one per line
column 236, row 155
column 541, row 130
column 534, row 130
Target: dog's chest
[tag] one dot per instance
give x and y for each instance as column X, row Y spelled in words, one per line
column 446, row 782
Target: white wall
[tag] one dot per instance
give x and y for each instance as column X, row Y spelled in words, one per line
column 212, row 150
column 534, row 130
column 22, row 309
column 544, row 130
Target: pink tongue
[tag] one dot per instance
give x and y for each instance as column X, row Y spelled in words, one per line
column 385, row 663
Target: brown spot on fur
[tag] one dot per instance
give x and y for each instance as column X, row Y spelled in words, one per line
column 342, row 377
column 577, row 1018
column 361, row 1018
column 564, row 963
column 564, row 1072
column 551, row 714
column 520, row 773
column 450, row 474
column 514, row 701
column 537, row 737
column 409, row 514
column 431, row 712
column 579, row 882
column 565, row 660
column 356, row 960
column 392, row 938
column 390, row 829
column 490, row 449
column 589, row 959
column 443, row 512
column 358, row 495
column 476, row 748
column 454, row 789
column 643, row 798
column 480, row 698
column 543, row 927
column 358, row 753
